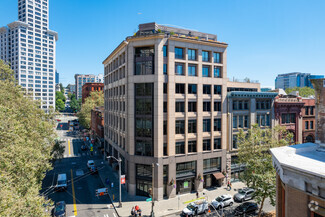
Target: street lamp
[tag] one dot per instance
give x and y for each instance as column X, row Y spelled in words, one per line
column 152, row 191
column 119, row 168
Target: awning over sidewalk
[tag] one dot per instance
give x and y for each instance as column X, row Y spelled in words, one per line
column 218, row 175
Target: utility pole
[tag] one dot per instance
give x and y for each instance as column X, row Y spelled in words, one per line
column 119, row 172
column 152, row 191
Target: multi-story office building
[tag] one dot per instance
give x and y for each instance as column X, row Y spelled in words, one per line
column 165, row 92
column 295, row 79
column 81, row 79
column 246, row 108
column 29, row 46
column 71, row 88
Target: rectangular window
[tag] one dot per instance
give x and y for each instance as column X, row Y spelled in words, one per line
column 179, row 53
column 311, row 124
column 311, row 110
column 165, row 50
column 191, row 70
column 165, row 88
column 180, row 106
column 246, row 121
column 217, row 124
column 206, row 144
column 206, row 125
column 205, row 71
column 267, row 120
column 179, row 69
column 165, row 68
column 191, row 106
column 217, row 57
column 206, row 106
column 180, row 147
column 217, row 89
column 240, row 121
column 306, row 125
column 180, row 88
column 165, row 150
column 191, row 126
column 306, row 110
column 217, row 72
column 191, row 146
column 288, row 118
column 191, row 54
column 179, row 127
column 206, row 89
column 165, row 107
column 212, row 164
column 234, row 142
column 205, row 56
column 234, row 122
column 217, row 143
column 217, row 106
column 192, row 88
column 165, row 128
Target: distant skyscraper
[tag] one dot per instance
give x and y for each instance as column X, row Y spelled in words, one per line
column 295, row 79
column 29, row 46
column 80, row 80
column 57, row 77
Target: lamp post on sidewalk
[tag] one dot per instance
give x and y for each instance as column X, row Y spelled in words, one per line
column 119, row 172
column 152, row 191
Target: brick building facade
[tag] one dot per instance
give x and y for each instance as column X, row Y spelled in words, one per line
column 90, row 87
column 97, row 123
column 308, row 119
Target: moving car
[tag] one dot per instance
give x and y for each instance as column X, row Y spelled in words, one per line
column 93, row 169
column 246, row 208
column 59, row 209
column 90, row 163
column 222, row 201
column 62, row 182
column 195, row 208
column 244, row 194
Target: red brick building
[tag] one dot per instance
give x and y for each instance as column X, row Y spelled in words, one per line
column 97, row 124
column 308, row 119
column 288, row 113
column 87, row 88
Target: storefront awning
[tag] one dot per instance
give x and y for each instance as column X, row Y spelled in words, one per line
column 218, row 175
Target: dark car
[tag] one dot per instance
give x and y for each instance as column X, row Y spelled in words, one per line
column 84, row 147
column 246, row 208
column 93, row 169
column 59, row 209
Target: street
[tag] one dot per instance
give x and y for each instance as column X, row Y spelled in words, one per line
column 80, row 195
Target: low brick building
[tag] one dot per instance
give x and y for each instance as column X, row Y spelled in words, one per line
column 97, row 124
column 308, row 119
column 87, row 88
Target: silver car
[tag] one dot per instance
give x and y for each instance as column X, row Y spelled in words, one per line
column 244, row 194
column 222, row 201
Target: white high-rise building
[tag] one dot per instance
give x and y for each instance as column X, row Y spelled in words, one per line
column 30, row 47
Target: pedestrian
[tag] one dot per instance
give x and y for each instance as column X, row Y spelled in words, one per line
column 133, row 211
column 107, row 181
column 197, row 195
column 112, row 184
column 229, row 186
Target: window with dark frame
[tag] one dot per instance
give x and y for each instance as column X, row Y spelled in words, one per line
column 180, row 88
column 217, row 89
column 217, row 124
column 192, row 88
column 206, row 125
column 179, row 69
column 180, row 147
column 205, row 71
column 205, row 56
column 191, row 54
column 217, row 72
column 192, row 70
column 217, row 143
column 191, row 107
column 180, row 106
column 206, row 144
column 217, row 106
column 191, row 126
column 179, row 54
column 217, row 57
column 207, row 106
column 179, row 127
column 191, row 146
column 206, row 89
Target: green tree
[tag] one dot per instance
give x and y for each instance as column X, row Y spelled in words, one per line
column 26, row 138
column 254, row 152
column 59, row 105
column 60, row 95
column 96, row 98
column 303, row 91
column 75, row 105
column 61, row 88
column 58, row 150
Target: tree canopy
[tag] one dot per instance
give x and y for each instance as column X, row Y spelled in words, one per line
column 96, row 98
column 254, row 152
column 303, row 91
column 59, row 105
column 26, row 138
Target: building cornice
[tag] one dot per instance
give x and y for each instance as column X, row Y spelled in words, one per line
column 17, row 23
column 51, row 32
column 117, row 49
column 201, row 42
column 247, row 94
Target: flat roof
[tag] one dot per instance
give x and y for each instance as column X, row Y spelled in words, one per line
column 250, row 94
column 302, row 157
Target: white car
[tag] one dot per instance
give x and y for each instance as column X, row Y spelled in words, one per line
column 90, row 164
column 222, row 201
column 195, row 208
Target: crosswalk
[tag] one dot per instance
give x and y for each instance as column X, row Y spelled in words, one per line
column 95, row 153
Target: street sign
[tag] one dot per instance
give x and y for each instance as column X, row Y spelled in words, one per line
column 149, row 199
column 122, row 179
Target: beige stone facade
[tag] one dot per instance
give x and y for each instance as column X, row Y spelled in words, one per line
column 180, row 110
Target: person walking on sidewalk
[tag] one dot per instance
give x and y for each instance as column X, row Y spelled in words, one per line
column 229, row 186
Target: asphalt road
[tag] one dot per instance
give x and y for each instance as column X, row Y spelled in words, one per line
column 80, row 195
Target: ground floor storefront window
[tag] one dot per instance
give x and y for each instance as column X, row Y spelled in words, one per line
column 143, row 187
column 237, row 170
column 186, row 185
column 143, row 179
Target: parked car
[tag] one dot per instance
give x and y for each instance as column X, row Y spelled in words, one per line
column 59, row 209
column 93, row 169
column 195, row 208
column 84, row 147
column 244, row 194
column 222, row 201
column 246, row 208
column 90, row 164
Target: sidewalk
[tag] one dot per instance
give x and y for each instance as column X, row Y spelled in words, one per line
column 163, row 207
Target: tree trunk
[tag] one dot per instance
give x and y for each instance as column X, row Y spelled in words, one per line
column 261, row 207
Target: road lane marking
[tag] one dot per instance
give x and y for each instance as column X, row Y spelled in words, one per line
column 73, row 194
column 114, row 215
column 69, row 147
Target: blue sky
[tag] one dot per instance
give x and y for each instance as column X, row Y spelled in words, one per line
column 265, row 37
